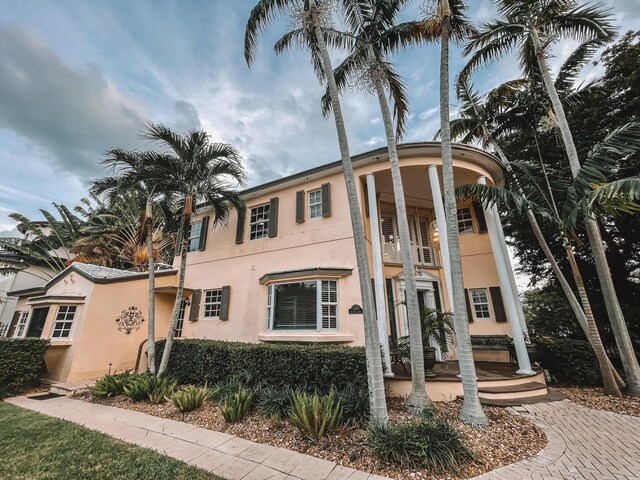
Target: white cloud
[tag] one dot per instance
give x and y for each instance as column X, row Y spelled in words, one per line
column 373, row 141
column 429, row 113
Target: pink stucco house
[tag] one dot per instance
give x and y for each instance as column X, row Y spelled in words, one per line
column 288, row 272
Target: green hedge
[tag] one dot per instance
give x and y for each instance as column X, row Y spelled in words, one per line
column 569, row 361
column 20, row 362
column 306, row 367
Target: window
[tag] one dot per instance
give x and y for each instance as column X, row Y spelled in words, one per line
column 22, row 324
column 315, row 204
column 181, row 312
column 465, row 222
column 64, row 321
column 259, row 222
column 310, row 305
column 194, row 237
column 480, row 302
column 212, row 303
column 418, row 236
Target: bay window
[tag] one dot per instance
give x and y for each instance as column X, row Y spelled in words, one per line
column 306, row 305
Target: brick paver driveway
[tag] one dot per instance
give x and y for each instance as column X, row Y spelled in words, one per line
column 583, row 443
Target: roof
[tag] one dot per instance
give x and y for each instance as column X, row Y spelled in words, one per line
column 97, row 272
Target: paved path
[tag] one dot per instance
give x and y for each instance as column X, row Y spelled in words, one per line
column 227, row 456
column 584, row 443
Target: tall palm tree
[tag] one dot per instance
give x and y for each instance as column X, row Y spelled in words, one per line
column 450, row 23
column 373, row 35
column 476, row 126
column 533, row 26
column 193, row 169
column 310, row 34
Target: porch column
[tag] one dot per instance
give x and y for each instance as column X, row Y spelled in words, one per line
column 503, row 265
column 438, row 207
column 378, row 276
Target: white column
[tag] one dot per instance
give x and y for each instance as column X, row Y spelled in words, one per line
column 378, row 276
column 438, row 208
column 504, row 271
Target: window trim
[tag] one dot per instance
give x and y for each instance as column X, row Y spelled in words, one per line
column 487, row 303
column 470, row 219
column 24, row 315
column 191, row 237
column 315, row 204
column 265, row 223
column 205, row 303
column 57, row 321
column 319, row 304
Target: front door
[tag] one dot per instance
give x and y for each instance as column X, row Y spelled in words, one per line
column 38, row 317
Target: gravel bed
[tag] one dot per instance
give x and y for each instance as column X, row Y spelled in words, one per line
column 595, row 398
column 507, row 439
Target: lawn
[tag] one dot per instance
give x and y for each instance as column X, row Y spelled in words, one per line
column 34, row 446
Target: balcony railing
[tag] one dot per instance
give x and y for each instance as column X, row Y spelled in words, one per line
column 421, row 255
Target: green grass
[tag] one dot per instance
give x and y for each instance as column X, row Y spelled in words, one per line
column 34, row 446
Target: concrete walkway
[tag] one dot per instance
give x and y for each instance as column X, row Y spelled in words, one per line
column 583, row 443
column 227, row 456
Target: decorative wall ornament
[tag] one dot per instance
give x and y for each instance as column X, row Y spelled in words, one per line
column 130, row 319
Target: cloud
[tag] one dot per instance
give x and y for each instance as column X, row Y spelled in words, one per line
column 429, row 113
column 374, row 141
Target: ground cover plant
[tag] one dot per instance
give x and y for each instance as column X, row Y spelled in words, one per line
column 34, row 447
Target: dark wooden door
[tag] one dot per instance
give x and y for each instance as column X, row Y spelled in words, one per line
column 38, row 317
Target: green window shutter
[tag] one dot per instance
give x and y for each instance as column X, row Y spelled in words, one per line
column 498, row 305
column 194, row 311
column 326, row 200
column 300, row 206
column 273, row 217
column 224, row 304
column 482, row 222
column 13, row 324
column 469, row 312
column 203, row 233
column 240, row 228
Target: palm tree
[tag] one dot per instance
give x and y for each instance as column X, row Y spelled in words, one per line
column 533, row 26
column 310, row 34
column 193, row 169
column 373, row 36
column 449, row 23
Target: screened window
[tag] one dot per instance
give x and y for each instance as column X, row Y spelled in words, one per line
column 315, row 204
column 21, row 327
column 194, row 237
column 480, row 302
column 64, row 321
column 311, row 305
column 465, row 220
column 259, row 222
column 212, row 303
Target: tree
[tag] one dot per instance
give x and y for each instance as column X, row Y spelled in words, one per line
column 309, row 33
column 193, row 169
column 450, row 24
column 373, row 35
column 533, row 26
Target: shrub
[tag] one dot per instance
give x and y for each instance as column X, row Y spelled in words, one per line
column 274, row 402
column 235, row 406
column 161, row 389
column 568, row 360
column 138, row 388
column 355, row 404
column 315, row 415
column 20, row 362
column 429, row 442
column 301, row 367
column 112, row 385
column 231, row 385
column 190, row 397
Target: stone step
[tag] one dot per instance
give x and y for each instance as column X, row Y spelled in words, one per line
column 70, row 389
column 508, row 392
column 547, row 398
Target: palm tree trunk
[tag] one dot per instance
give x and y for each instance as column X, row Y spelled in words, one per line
column 375, row 377
column 616, row 318
column 584, row 315
column 471, row 412
column 418, row 399
column 179, row 291
column 151, row 326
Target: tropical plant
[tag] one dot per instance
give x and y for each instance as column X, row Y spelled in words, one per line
column 235, row 406
column 138, row 388
column 190, row 397
column 315, row 415
column 193, row 169
column 112, row 384
column 533, row 26
column 355, row 404
column 437, row 327
column 309, row 18
column 276, row 402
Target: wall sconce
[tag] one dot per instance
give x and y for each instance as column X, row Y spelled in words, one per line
column 434, row 235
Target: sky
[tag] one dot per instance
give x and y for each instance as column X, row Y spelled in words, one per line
column 80, row 77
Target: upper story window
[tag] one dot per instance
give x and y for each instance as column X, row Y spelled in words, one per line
column 480, row 302
column 21, row 327
column 64, row 321
column 310, row 305
column 418, row 236
column 212, row 303
column 315, row 204
column 195, row 232
column 259, row 222
column 465, row 220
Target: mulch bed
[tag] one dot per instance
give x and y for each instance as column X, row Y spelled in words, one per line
column 507, row 439
column 595, row 398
